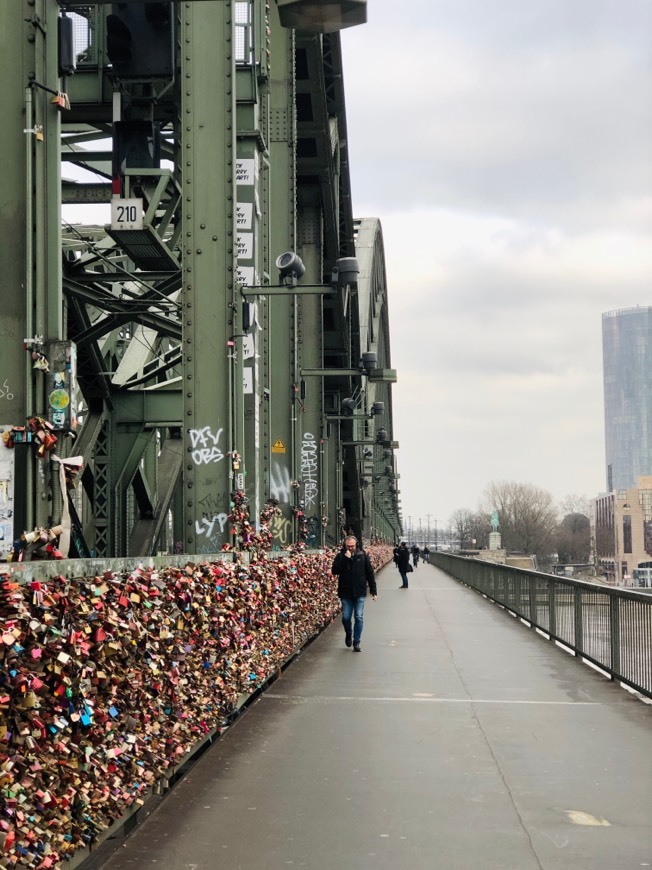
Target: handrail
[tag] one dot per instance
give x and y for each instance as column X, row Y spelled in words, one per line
column 608, row 626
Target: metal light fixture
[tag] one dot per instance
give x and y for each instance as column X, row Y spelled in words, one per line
column 321, row 16
column 290, row 266
column 369, row 361
column 345, row 272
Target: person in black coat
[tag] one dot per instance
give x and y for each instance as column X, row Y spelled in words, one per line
column 403, row 563
column 354, row 574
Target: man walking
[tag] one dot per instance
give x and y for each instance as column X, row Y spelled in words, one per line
column 354, row 573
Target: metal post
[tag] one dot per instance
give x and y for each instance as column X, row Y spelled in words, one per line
column 209, row 256
column 280, row 210
column 30, row 259
column 614, row 627
column 309, row 393
column 579, row 621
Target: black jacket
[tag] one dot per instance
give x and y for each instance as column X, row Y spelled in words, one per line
column 353, row 575
column 403, row 559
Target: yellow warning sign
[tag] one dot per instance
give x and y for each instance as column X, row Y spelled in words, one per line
column 278, row 446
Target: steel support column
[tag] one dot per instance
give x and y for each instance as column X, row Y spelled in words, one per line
column 310, row 393
column 29, row 227
column 210, row 373
column 281, row 313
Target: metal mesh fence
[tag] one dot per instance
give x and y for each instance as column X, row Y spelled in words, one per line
column 244, row 32
column 84, row 19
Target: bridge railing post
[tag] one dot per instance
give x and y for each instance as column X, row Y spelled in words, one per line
column 579, row 620
column 614, row 632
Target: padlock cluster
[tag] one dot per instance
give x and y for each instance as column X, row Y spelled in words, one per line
column 38, row 430
column 379, row 555
column 40, row 543
column 43, row 435
column 107, row 683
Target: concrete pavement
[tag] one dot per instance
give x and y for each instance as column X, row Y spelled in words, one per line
column 457, row 739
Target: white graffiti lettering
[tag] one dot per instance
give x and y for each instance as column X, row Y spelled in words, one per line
column 205, row 445
column 5, row 392
column 279, row 484
column 309, row 470
column 207, row 524
column 281, row 530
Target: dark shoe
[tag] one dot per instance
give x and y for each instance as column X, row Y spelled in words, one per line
column 347, row 639
column 356, row 647
column 404, row 586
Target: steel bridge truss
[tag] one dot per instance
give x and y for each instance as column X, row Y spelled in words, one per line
column 188, row 389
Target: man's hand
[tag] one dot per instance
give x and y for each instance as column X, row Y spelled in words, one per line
column 348, row 554
column 373, row 597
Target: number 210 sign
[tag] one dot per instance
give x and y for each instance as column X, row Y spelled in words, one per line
column 126, row 214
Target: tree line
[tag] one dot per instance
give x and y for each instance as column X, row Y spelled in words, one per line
column 530, row 522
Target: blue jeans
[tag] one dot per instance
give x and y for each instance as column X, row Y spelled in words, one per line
column 404, row 576
column 353, row 607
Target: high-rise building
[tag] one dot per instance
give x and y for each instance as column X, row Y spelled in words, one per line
column 627, row 367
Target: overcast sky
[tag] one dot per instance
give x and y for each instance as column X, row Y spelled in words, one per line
column 507, row 149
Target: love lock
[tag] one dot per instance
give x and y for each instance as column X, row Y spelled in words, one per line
column 60, row 100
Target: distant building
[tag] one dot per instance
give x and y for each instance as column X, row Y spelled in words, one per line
column 621, row 534
column 627, row 368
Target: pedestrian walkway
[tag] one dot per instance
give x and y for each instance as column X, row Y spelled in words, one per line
column 458, row 739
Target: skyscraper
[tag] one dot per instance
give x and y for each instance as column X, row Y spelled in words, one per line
column 627, row 368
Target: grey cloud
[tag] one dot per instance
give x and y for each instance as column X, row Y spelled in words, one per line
column 530, row 124
column 533, row 130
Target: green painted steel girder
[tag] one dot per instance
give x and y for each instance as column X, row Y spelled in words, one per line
column 317, row 290
column 167, row 350
column 156, row 408
column 387, row 376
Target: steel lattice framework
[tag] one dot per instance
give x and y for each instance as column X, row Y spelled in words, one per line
column 192, row 379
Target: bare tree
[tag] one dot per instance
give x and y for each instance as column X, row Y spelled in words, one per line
column 461, row 522
column 480, row 529
column 575, row 504
column 527, row 516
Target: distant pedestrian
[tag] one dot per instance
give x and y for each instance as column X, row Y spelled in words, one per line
column 396, row 552
column 415, row 555
column 403, row 563
column 426, row 554
column 354, row 574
